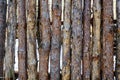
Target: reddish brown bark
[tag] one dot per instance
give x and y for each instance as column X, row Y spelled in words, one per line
column 66, row 41
column 86, row 40
column 44, row 49
column 56, row 41
column 107, row 56
column 77, row 39
column 22, row 40
column 2, row 34
column 96, row 40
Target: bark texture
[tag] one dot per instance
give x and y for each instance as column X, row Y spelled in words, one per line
column 96, row 40
column 44, row 49
column 31, row 40
column 55, row 41
column 86, row 39
column 11, row 36
column 66, row 41
column 107, row 56
column 2, row 34
column 77, row 35
column 22, row 50
column 118, row 42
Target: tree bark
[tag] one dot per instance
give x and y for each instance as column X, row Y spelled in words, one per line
column 118, row 42
column 77, row 37
column 44, row 49
column 22, row 50
column 31, row 40
column 11, row 36
column 96, row 40
column 107, row 56
column 2, row 34
column 86, row 40
column 55, row 41
column 66, row 41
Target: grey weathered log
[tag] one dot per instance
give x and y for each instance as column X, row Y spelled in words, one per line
column 77, row 36
column 55, row 40
column 86, row 40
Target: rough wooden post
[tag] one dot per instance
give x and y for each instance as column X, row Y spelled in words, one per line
column 55, row 41
column 107, row 48
column 11, row 36
column 2, row 34
column 22, row 40
column 77, row 35
column 66, row 41
column 31, row 40
column 118, row 42
column 96, row 52
column 86, row 39
column 44, row 49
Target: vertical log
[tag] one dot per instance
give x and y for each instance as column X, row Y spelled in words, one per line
column 96, row 40
column 22, row 40
column 66, row 41
column 77, row 39
column 31, row 40
column 107, row 56
column 118, row 41
column 45, row 40
column 11, row 35
column 2, row 34
column 56, row 41
column 86, row 39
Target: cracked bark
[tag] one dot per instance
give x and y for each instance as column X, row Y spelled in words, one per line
column 44, row 48
column 31, row 40
column 107, row 56
column 86, row 39
column 11, row 36
column 55, row 41
column 22, row 50
column 96, row 40
column 77, row 35
column 66, row 41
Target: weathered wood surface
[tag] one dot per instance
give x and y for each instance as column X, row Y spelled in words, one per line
column 55, row 40
column 10, row 40
column 3, row 6
column 31, row 40
column 107, row 46
column 44, row 48
column 22, row 50
column 66, row 41
column 86, row 40
column 77, row 35
column 96, row 52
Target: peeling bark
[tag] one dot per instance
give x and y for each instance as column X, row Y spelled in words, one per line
column 55, row 41
column 118, row 42
column 11, row 36
column 2, row 34
column 22, row 50
column 66, row 41
column 96, row 40
column 86, row 40
column 107, row 56
column 44, row 49
column 77, row 35
column 31, row 40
